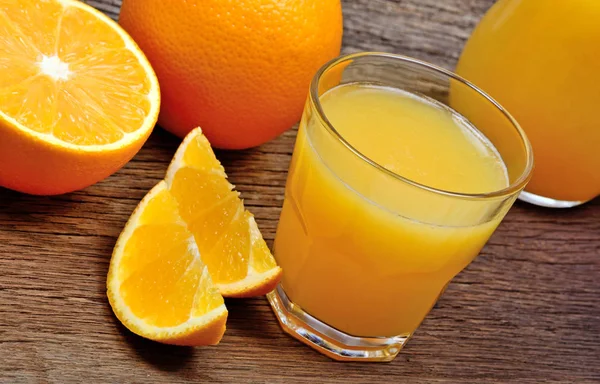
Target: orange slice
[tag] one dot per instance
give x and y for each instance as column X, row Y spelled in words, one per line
column 157, row 284
column 188, row 242
column 227, row 236
column 77, row 96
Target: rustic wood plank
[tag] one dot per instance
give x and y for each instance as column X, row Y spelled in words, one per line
column 527, row 310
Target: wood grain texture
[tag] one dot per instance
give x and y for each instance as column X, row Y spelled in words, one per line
column 527, row 310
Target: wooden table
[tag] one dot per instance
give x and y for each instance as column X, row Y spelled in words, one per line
column 527, row 310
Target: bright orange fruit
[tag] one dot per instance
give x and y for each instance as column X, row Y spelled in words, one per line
column 77, row 96
column 226, row 234
column 239, row 69
column 157, row 284
column 189, row 241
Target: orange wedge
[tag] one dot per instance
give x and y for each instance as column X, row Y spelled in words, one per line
column 188, row 243
column 227, row 236
column 157, row 284
column 77, row 96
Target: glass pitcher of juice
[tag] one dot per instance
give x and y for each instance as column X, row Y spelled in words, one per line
column 540, row 59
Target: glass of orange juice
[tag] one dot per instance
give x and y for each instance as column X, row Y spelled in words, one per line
column 540, row 59
column 390, row 194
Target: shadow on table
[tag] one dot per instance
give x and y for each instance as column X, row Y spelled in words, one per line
column 248, row 319
column 20, row 205
column 165, row 357
column 251, row 317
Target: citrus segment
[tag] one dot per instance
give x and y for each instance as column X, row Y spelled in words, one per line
column 261, row 259
column 227, row 236
column 77, row 96
column 263, row 274
column 209, row 227
column 199, row 154
column 197, row 191
column 228, row 260
column 157, row 284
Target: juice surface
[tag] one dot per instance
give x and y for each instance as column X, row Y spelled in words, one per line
column 415, row 137
column 351, row 257
column 540, row 61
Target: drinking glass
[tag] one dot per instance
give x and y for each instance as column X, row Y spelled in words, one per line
column 364, row 261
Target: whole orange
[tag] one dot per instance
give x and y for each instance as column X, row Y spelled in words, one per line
column 240, row 69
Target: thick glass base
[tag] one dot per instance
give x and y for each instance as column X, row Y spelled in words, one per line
column 546, row 201
column 328, row 340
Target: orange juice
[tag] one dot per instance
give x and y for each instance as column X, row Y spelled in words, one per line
column 540, row 60
column 362, row 251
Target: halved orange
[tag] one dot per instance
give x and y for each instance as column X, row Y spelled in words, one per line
column 189, row 241
column 77, row 96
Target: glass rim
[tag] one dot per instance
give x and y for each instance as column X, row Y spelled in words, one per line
column 512, row 188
